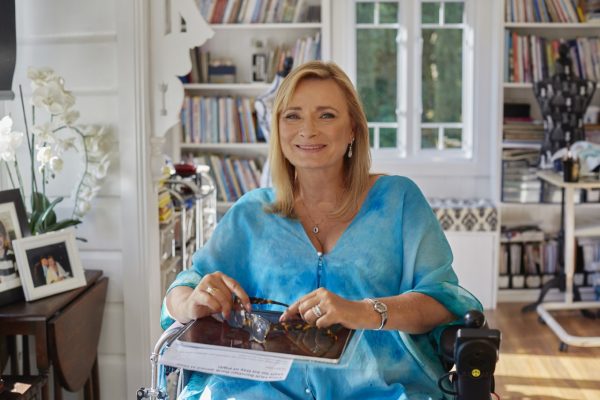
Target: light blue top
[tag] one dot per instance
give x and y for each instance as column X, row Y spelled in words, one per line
column 394, row 245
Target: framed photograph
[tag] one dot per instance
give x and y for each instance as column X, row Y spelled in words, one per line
column 49, row 264
column 13, row 226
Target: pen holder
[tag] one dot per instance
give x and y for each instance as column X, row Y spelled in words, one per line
column 570, row 169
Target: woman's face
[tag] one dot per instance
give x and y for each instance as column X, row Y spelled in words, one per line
column 315, row 128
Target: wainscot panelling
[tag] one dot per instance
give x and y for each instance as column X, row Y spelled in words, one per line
column 112, row 377
column 81, row 64
column 112, row 337
column 42, row 17
column 111, row 262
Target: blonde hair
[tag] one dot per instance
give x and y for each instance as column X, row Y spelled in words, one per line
column 356, row 168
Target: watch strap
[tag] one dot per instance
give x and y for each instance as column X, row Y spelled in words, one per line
column 381, row 309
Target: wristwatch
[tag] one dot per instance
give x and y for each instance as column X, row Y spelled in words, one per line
column 381, row 308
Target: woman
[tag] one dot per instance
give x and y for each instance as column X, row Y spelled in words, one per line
column 337, row 244
column 55, row 271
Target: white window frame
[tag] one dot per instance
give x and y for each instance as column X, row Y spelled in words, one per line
column 480, row 54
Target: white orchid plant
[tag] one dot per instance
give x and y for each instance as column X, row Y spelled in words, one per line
column 47, row 141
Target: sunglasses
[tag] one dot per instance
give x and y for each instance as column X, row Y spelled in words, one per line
column 266, row 325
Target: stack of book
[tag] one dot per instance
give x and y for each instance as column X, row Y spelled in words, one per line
column 302, row 50
column 568, row 11
column 590, row 251
column 528, row 258
column 591, row 9
column 520, row 183
column 522, row 133
column 234, row 176
column 219, row 120
column 258, row 11
column 531, row 58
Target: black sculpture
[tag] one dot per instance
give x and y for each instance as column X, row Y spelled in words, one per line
column 563, row 99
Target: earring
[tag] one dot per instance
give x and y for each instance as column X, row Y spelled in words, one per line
column 350, row 149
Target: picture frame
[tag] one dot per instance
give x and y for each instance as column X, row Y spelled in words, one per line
column 49, row 264
column 13, row 226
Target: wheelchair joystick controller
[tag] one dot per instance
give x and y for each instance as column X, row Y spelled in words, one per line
column 473, row 348
column 474, row 319
column 475, row 355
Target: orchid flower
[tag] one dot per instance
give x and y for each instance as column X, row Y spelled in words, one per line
column 9, row 140
column 48, row 140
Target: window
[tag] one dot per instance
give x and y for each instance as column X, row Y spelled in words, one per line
column 414, row 76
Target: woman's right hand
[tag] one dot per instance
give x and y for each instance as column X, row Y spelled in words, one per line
column 213, row 294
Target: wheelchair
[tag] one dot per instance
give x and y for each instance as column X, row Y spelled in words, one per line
column 470, row 346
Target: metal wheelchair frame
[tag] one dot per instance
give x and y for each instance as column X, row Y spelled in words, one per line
column 472, row 347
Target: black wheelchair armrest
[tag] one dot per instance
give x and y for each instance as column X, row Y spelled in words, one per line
column 473, row 348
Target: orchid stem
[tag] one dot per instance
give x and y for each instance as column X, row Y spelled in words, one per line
column 18, row 178
column 30, row 141
column 85, row 152
column 12, row 182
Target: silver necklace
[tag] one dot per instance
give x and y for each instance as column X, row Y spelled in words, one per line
column 315, row 227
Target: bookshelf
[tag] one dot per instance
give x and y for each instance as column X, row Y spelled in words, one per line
column 299, row 28
column 537, row 26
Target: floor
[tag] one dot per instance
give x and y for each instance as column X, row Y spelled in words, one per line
column 531, row 367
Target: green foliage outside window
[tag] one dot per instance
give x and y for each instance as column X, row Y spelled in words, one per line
column 364, row 13
column 387, row 137
column 377, row 73
column 441, row 75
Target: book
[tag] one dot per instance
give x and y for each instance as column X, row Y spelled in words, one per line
column 313, row 344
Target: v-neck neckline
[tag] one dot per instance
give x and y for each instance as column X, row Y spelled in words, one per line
column 306, row 238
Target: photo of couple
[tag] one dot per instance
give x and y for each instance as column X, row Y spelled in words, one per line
column 49, row 265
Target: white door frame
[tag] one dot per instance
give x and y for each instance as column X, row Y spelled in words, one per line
column 141, row 274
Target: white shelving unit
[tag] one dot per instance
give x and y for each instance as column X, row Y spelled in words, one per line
column 548, row 215
column 571, row 232
column 235, row 42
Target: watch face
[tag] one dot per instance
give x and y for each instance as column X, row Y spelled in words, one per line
column 380, row 307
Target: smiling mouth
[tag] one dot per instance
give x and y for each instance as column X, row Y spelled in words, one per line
column 310, row 147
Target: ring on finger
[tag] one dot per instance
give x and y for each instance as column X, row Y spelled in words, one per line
column 211, row 290
column 317, row 311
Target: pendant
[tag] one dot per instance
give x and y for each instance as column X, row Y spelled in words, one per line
column 315, row 229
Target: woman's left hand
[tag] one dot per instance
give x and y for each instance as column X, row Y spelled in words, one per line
column 324, row 308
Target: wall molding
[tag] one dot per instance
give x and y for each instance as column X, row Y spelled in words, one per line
column 140, row 217
column 68, row 38
column 86, row 92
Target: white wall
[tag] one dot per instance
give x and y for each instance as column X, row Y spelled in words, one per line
column 79, row 40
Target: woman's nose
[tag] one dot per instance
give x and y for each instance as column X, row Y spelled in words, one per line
column 308, row 128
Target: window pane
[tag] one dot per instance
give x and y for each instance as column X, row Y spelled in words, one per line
column 376, row 66
column 430, row 13
column 453, row 138
column 387, row 137
column 372, row 137
column 365, row 13
column 388, row 13
column 429, row 138
column 441, row 74
column 453, row 13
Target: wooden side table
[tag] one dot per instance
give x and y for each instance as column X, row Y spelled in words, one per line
column 67, row 331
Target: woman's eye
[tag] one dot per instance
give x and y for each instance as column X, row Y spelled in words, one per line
column 327, row 115
column 292, row 116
